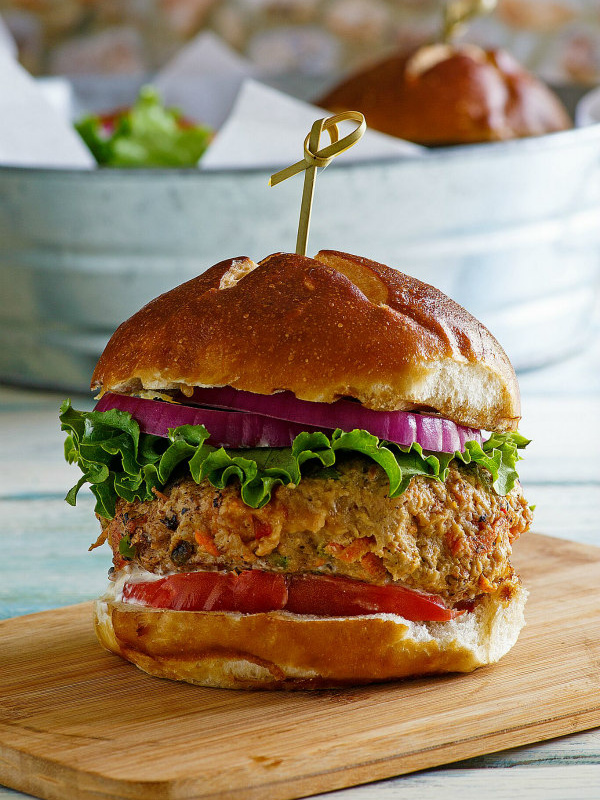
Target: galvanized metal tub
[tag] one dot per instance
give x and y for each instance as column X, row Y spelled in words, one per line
column 510, row 230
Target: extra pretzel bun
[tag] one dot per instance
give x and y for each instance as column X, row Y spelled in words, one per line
column 445, row 95
column 334, row 326
column 279, row 650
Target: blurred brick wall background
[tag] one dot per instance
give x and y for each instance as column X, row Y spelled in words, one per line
column 559, row 39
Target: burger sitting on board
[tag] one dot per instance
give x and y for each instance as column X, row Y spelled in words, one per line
column 291, row 467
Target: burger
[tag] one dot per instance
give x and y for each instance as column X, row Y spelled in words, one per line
column 445, row 94
column 306, row 471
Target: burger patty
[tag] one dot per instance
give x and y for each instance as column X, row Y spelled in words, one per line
column 452, row 539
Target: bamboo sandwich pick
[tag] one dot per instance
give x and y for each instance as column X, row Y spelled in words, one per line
column 315, row 158
column 457, row 13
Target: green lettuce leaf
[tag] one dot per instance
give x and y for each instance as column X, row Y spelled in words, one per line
column 145, row 135
column 117, row 460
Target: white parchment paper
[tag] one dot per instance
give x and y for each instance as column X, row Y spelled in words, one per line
column 266, row 129
column 33, row 133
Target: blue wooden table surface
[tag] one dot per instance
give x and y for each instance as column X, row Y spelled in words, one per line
column 44, row 562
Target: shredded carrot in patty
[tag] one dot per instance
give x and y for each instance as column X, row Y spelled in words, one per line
column 159, row 494
column 352, row 552
column 262, row 529
column 99, row 541
column 373, row 565
column 456, row 546
column 484, row 584
column 206, row 543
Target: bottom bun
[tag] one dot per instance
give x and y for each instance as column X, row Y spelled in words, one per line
column 279, row 650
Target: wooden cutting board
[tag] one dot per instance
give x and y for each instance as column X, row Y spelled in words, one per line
column 78, row 722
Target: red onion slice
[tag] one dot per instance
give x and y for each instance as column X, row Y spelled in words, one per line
column 402, row 427
column 226, row 428
column 275, row 420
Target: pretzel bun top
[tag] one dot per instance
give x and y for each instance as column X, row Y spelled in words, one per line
column 334, row 326
column 444, row 95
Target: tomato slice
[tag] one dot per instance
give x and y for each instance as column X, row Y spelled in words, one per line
column 257, row 591
column 250, row 592
column 323, row 595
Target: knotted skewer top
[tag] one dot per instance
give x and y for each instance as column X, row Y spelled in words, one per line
column 315, row 158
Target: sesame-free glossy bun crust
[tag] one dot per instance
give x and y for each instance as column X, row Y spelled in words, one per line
column 324, row 328
column 446, row 95
column 277, row 650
